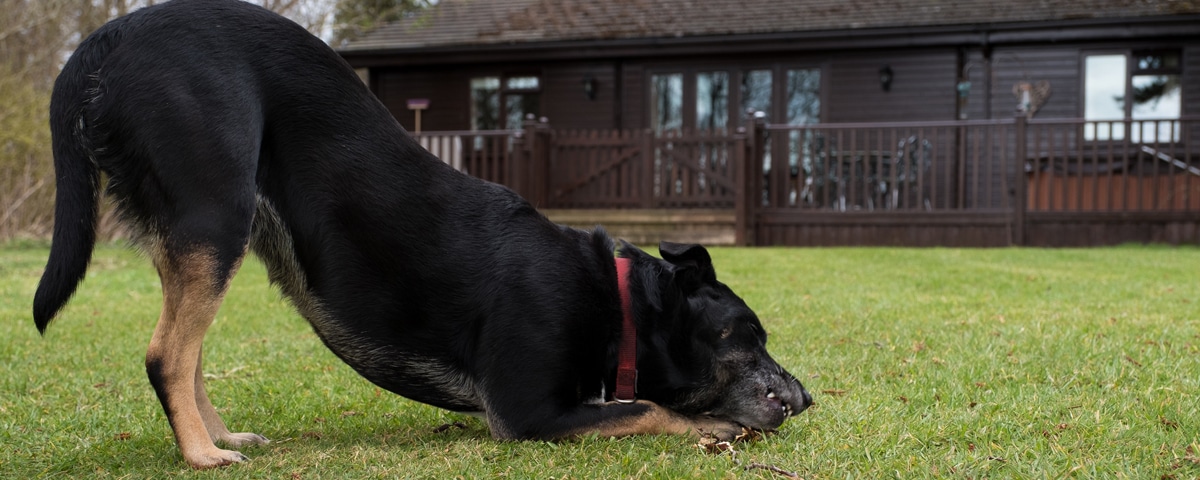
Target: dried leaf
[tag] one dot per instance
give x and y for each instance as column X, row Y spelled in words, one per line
column 712, row 446
column 748, row 435
column 1170, row 425
column 447, row 426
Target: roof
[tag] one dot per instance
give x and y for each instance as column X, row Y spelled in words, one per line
column 464, row 23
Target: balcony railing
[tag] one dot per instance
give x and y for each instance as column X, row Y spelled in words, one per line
column 997, row 170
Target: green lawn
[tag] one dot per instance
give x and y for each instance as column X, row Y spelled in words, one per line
column 1004, row 363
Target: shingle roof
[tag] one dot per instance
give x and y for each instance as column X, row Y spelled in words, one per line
column 493, row 22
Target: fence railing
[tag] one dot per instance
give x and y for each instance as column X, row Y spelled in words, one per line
column 888, row 166
column 487, row 154
column 1113, row 166
column 598, row 168
column 1005, row 167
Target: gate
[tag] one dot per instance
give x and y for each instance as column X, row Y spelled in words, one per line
column 638, row 169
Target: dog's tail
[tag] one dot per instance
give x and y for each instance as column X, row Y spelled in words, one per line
column 77, row 176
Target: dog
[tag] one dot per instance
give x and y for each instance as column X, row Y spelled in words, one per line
column 224, row 128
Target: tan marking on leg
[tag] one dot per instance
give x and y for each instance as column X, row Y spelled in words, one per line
column 657, row 420
column 190, row 302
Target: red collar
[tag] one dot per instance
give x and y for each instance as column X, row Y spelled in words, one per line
column 627, row 351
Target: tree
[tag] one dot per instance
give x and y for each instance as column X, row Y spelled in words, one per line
column 314, row 15
column 33, row 38
column 37, row 37
column 353, row 18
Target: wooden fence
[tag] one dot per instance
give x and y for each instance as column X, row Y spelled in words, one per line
column 960, row 183
column 594, row 169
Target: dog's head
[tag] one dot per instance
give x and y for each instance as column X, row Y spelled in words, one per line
column 705, row 351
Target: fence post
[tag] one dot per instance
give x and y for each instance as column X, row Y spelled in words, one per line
column 649, row 158
column 519, row 165
column 741, row 203
column 530, row 162
column 1022, row 180
column 542, row 145
column 749, row 179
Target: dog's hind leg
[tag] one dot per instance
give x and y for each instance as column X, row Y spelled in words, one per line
column 195, row 277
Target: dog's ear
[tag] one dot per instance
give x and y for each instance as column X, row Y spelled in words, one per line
column 693, row 265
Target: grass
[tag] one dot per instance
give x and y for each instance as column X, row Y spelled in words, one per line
column 1003, row 363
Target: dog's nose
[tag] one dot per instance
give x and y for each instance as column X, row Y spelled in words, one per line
column 805, row 401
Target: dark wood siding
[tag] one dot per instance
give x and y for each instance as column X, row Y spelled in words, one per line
column 1191, row 90
column 446, row 89
column 974, row 70
column 564, row 102
column 922, row 89
column 635, row 111
column 1191, row 81
column 1058, row 65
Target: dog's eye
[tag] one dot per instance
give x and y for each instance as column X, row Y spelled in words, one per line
column 726, row 332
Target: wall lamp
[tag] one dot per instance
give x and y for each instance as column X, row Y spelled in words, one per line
column 885, row 78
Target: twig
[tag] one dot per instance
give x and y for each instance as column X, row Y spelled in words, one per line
column 771, row 468
column 709, row 444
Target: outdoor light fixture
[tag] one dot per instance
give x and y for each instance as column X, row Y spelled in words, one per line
column 885, row 78
column 589, row 87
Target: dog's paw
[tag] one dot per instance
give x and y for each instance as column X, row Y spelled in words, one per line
column 717, row 428
column 215, row 458
column 241, row 439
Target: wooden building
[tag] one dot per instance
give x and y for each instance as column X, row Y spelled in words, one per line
column 878, row 68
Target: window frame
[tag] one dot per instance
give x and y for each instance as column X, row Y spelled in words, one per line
column 503, row 93
column 1124, row 124
column 735, row 73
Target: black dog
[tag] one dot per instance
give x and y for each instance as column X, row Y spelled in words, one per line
column 225, row 128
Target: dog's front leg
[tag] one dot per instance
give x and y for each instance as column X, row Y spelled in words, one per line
column 648, row 418
column 615, row 419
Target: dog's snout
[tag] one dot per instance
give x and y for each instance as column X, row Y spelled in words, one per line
column 805, row 401
column 791, row 393
column 797, row 401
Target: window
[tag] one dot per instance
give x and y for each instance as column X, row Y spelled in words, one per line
column 520, row 99
column 756, row 91
column 803, row 108
column 712, row 101
column 1150, row 78
column 503, row 102
column 666, row 106
column 804, row 96
column 717, row 100
column 485, row 103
